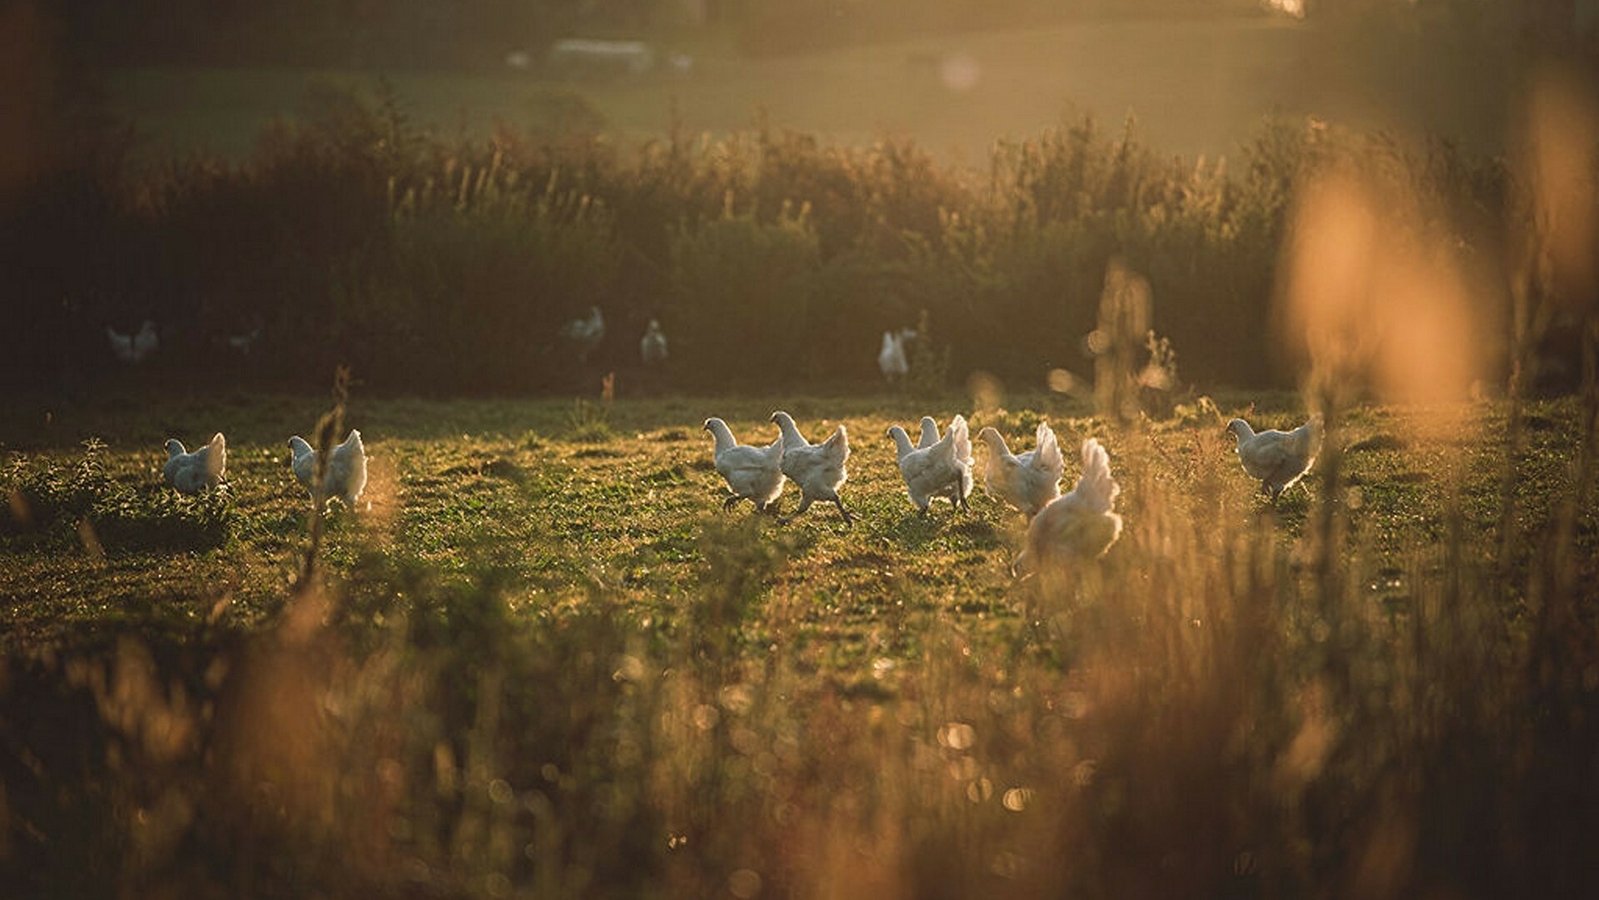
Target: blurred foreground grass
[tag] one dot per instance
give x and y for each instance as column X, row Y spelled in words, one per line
column 546, row 666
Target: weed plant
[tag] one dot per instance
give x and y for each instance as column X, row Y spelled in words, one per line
column 61, row 506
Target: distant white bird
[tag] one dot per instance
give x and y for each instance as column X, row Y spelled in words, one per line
column 1277, row 458
column 652, row 347
column 891, row 358
column 585, row 334
column 346, row 475
column 1078, row 525
column 133, row 348
column 752, row 473
column 1027, row 481
column 818, row 469
column 243, row 342
column 943, row 469
column 192, row 473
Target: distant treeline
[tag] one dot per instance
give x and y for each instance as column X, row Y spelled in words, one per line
column 429, row 33
column 772, row 260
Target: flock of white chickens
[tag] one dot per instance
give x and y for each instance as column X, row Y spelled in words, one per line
column 1062, row 528
column 1079, row 525
column 345, row 474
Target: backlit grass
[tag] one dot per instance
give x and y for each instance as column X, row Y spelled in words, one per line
column 537, row 665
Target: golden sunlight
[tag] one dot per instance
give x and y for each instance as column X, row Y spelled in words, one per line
column 1375, row 297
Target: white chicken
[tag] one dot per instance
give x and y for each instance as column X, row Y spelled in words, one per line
column 1079, row 525
column 652, row 347
column 586, row 333
column 1028, row 481
column 942, row 469
column 1277, row 458
column 752, row 473
column 346, row 475
column 818, row 469
column 929, row 433
column 891, row 358
column 241, row 343
column 191, row 473
column 134, row 348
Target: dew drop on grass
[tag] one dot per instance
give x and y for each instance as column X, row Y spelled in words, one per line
column 706, row 717
column 1017, row 798
column 979, row 790
column 744, row 884
column 957, row 736
column 500, row 791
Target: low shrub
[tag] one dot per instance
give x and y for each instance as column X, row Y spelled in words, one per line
column 81, row 504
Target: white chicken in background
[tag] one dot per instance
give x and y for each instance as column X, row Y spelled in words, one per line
column 818, row 469
column 752, row 473
column 134, row 348
column 943, row 469
column 1028, row 481
column 1277, row 458
column 585, row 334
column 241, row 343
column 1079, row 525
column 652, row 347
column 929, row 433
column 891, row 359
column 346, row 475
column 191, row 473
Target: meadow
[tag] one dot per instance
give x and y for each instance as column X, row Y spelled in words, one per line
column 538, row 659
column 1012, row 84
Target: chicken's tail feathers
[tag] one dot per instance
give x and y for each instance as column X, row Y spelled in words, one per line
column 962, row 438
column 838, row 441
column 217, row 459
column 353, row 441
column 1096, row 486
column 1048, row 455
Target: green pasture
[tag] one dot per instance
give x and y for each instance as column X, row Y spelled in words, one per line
column 558, row 497
column 1195, row 87
column 538, row 660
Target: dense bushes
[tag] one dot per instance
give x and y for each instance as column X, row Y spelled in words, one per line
column 771, row 259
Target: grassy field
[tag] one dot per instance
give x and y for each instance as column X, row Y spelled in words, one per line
column 557, row 504
column 540, row 661
column 1199, row 87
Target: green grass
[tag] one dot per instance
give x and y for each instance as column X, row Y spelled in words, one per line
column 1200, row 87
column 616, row 497
column 544, row 662
column 1028, row 80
